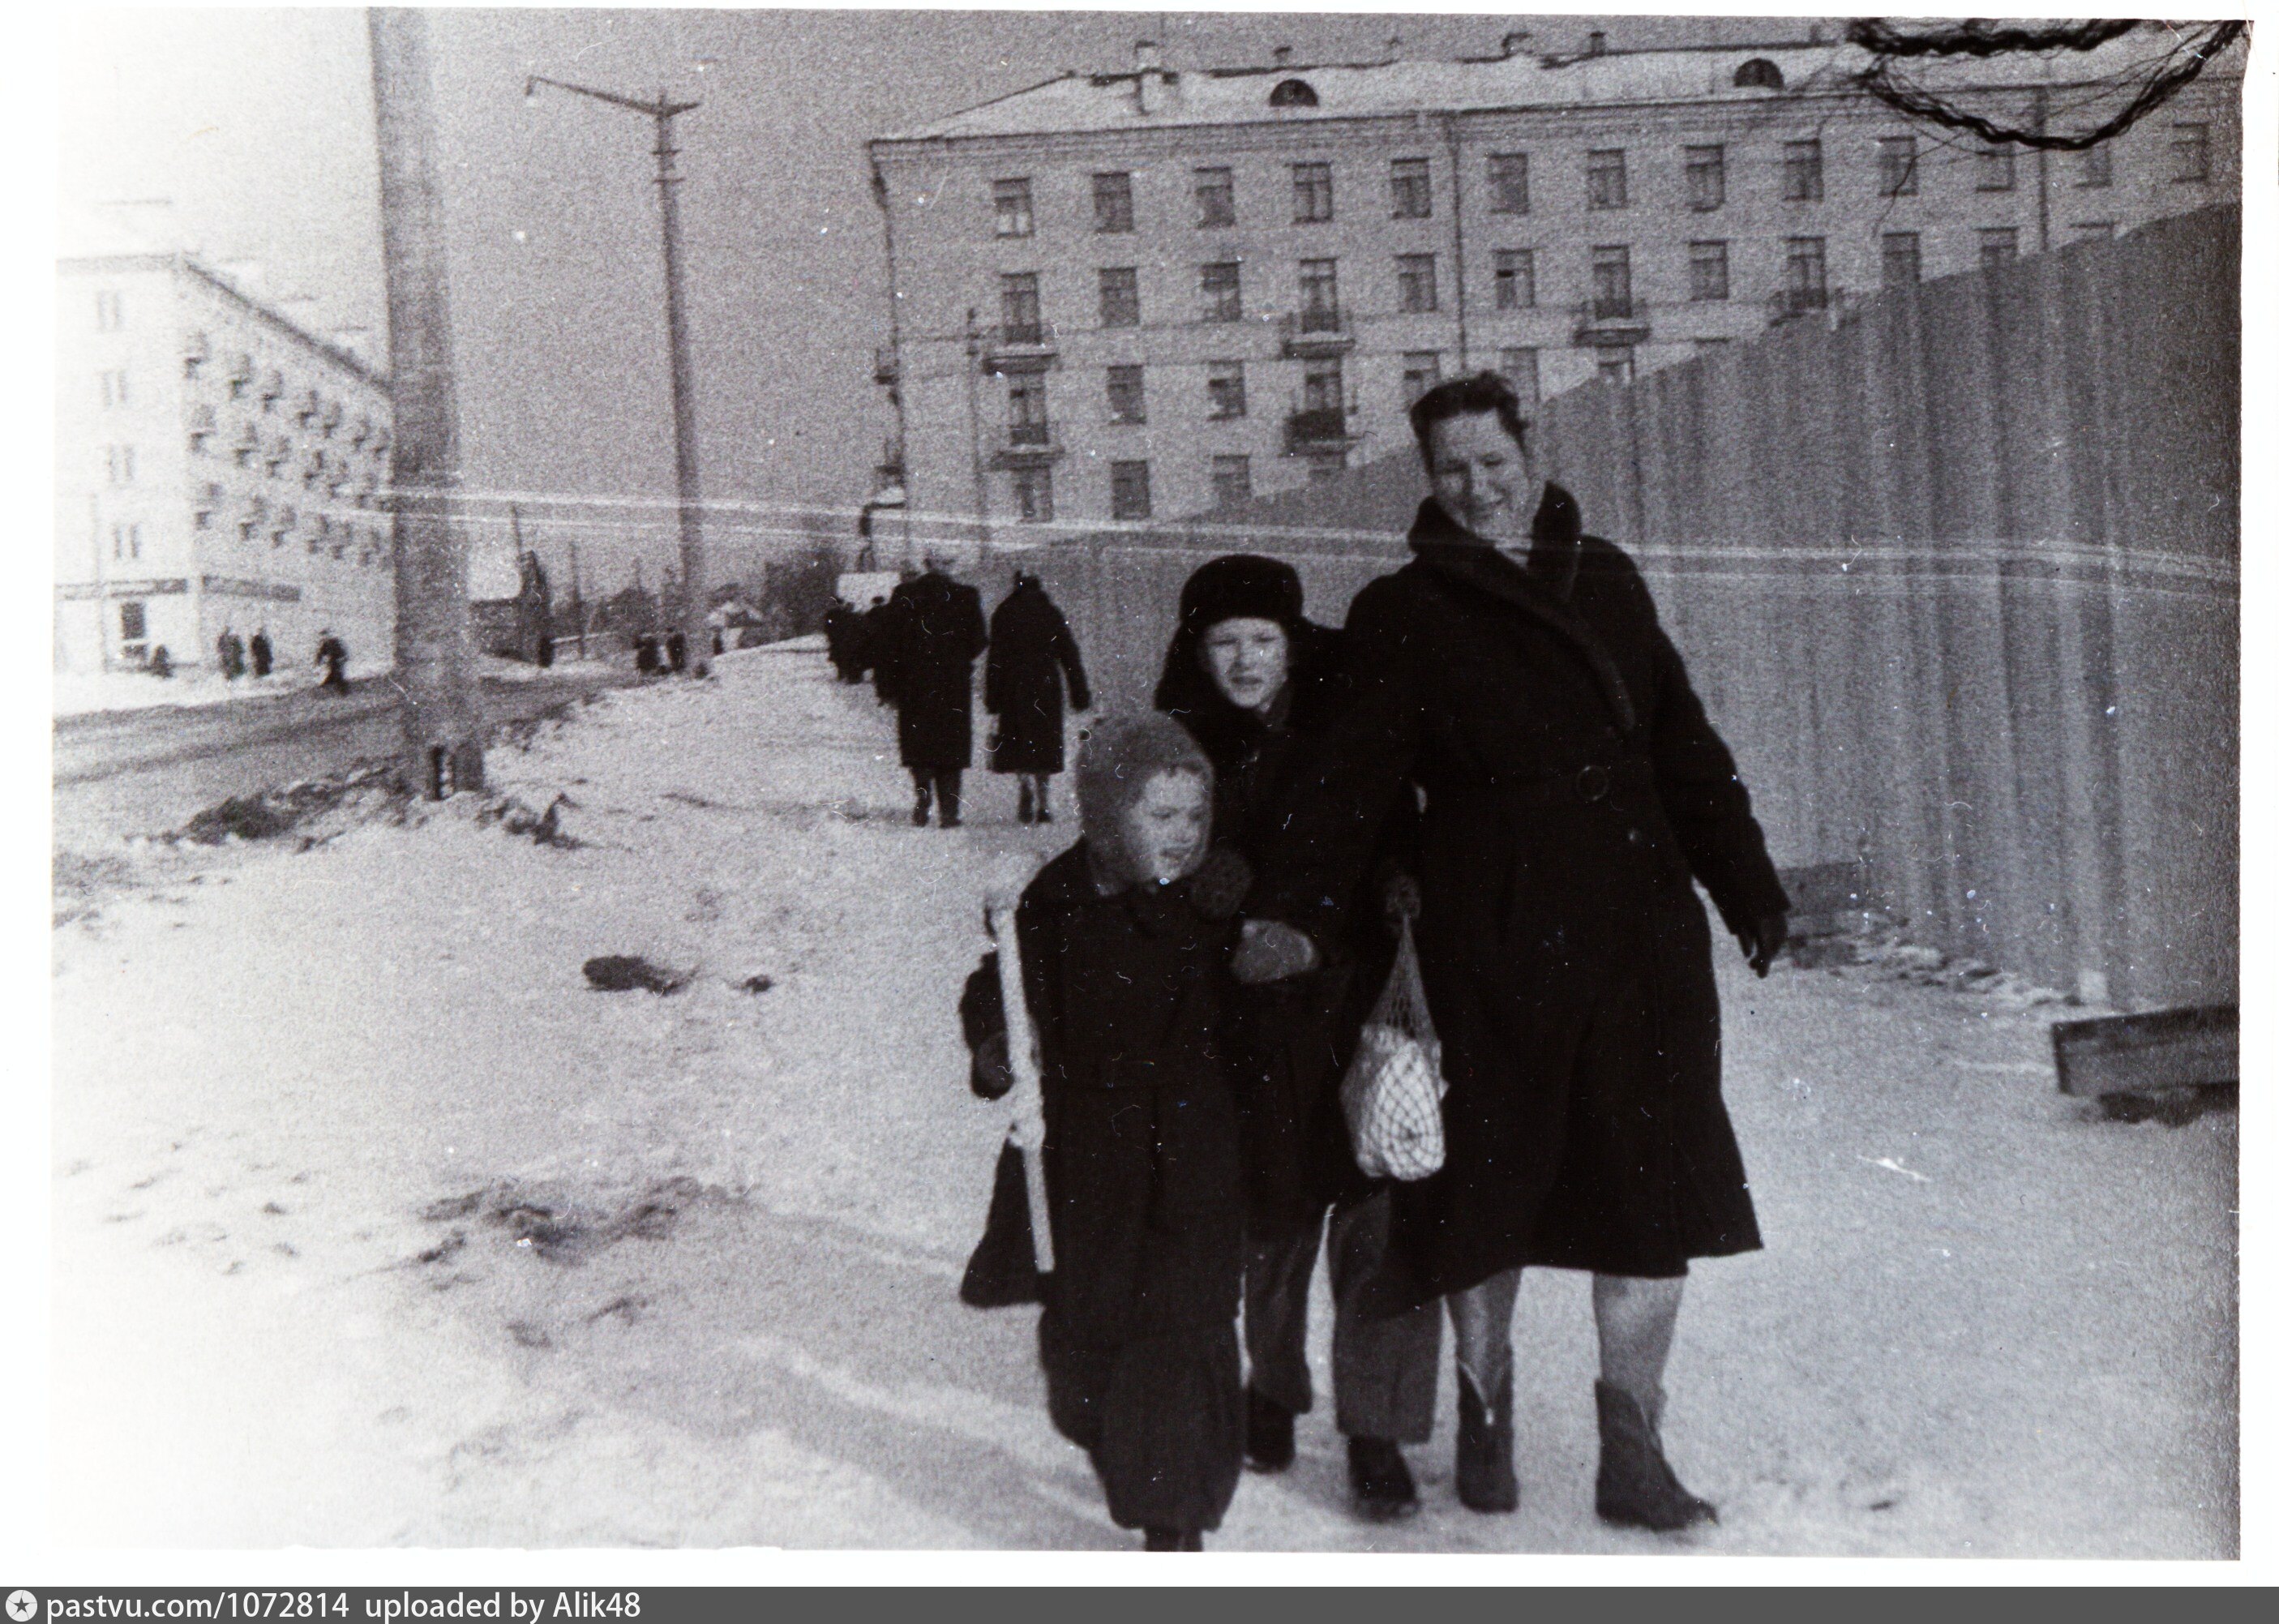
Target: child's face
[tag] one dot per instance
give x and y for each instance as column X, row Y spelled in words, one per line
column 1166, row 826
column 1248, row 659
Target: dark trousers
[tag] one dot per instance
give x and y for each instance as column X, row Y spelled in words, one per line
column 1383, row 1372
column 943, row 783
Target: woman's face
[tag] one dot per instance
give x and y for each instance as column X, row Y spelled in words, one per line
column 1166, row 827
column 1248, row 659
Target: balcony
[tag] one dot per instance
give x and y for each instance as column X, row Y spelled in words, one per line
column 885, row 366
column 1318, row 429
column 1020, row 347
column 1316, row 332
column 1610, row 323
column 1792, row 304
column 1025, row 445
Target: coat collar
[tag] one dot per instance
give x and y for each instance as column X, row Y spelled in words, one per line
column 1539, row 587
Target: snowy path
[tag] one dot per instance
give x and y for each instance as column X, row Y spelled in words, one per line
column 299, row 1098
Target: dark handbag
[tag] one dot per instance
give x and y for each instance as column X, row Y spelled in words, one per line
column 1002, row 1271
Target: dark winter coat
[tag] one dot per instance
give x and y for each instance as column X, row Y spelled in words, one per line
column 264, row 656
column 1574, row 790
column 1293, row 1037
column 333, row 654
column 1030, row 649
column 930, row 635
column 1142, row 1175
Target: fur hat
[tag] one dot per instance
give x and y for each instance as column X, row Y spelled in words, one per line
column 1241, row 586
column 1119, row 757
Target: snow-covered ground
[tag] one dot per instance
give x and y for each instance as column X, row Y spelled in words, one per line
column 82, row 693
column 375, row 1225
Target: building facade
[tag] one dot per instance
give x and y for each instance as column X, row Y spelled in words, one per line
column 1144, row 295
column 217, row 467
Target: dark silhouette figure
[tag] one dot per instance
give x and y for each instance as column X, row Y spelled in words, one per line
column 333, row 655
column 264, row 655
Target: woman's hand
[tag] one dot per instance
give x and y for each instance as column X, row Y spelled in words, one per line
column 993, row 1068
column 1763, row 940
column 1271, row 951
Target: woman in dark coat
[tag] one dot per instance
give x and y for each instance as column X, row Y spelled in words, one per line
column 1124, row 959
column 1251, row 679
column 933, row 634
column 1574, row 792
column 333, row 655
column 1030, row 650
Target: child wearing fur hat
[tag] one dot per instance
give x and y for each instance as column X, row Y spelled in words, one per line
column 1124, row 951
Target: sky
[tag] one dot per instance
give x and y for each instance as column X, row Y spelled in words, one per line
column 256, row 124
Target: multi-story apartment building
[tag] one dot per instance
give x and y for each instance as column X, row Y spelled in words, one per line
column 217, row 465
column 1143, row 295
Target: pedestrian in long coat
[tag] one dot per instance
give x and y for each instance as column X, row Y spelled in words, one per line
column 1030, row 652
column 231, row 648
column 1574, row 792
column 1125, row 965
column 933, row 634
column 333, row 654
column 1251, row 679
column 264, row 655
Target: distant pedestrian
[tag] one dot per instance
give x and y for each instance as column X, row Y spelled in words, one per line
column 162, row 663
column 676, row 650
column 1031, row 651
column 545, row 650
column 647, row 660
column 933, row 632
column 720, row 641
column 840, row 628
column 264, row 655
column 333, row 655
column 231, row 648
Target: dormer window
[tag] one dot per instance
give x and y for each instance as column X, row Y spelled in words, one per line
column 1293, row 93
column 1757, row 73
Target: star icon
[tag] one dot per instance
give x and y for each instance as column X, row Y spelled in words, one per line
column 23, row 1607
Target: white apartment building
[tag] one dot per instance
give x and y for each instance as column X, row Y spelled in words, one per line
column 216, row 466
column 1141, row 295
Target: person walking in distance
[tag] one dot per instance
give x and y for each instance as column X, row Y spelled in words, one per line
column 1575, row 792
column 1030, row 652
column 933, row 634
column 229, row 649
column 333, row 656
column 1252, row 680
column 264, row 655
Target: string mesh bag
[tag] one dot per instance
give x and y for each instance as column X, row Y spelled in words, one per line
column 1392, row 1091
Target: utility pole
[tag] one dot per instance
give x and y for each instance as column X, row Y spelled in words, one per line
column 576, row 598
column 442, row 747
column 662, row 111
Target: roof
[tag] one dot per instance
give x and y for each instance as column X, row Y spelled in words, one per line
column 1089, row 102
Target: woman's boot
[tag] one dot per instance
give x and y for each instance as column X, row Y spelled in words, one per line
column 1636, row 1489
column 1485, row 1481
column 1173, row 1539
column 1384, row 1491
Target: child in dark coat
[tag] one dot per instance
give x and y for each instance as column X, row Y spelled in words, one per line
column 1123, row 948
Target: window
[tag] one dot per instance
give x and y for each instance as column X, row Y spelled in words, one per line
column 1998, row 245
column 2093, row 167
column 1317, row 295
column 1310, row 200
column 1230, row 480
column 1119, row 297
column 1514, row 278
column 132, row 626
column 1214, row 197
column 1112, row 202
column 118, row 465
column 1016, row 299
column 1420, row 288
column 1032, row 494
column 1706, row 263
column 1420, row 370
column 1606, row 174
column 127, row 541
column 1127, row 491
column 1807, row 273
column 1705, row 178
column 1014, row 218
column 1902, row 259
column 2094, row 230
column 1292, row 93
column 1507, row 183
column 1026, row 422
column 2190, row 146
column 1324, row 466
column 1325, row 386
column 210, row 497
column 1223, row 387
column 1998, row 170
column 113, row 384
column 1801, row 170
column 1610, row 284
column 1617, row 366
column 1222, row 292
column 1412, row 188
column 1757, row 74
column 1127, row 394
column 110, row 313
column 1895, row 163
column 1522, row 369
